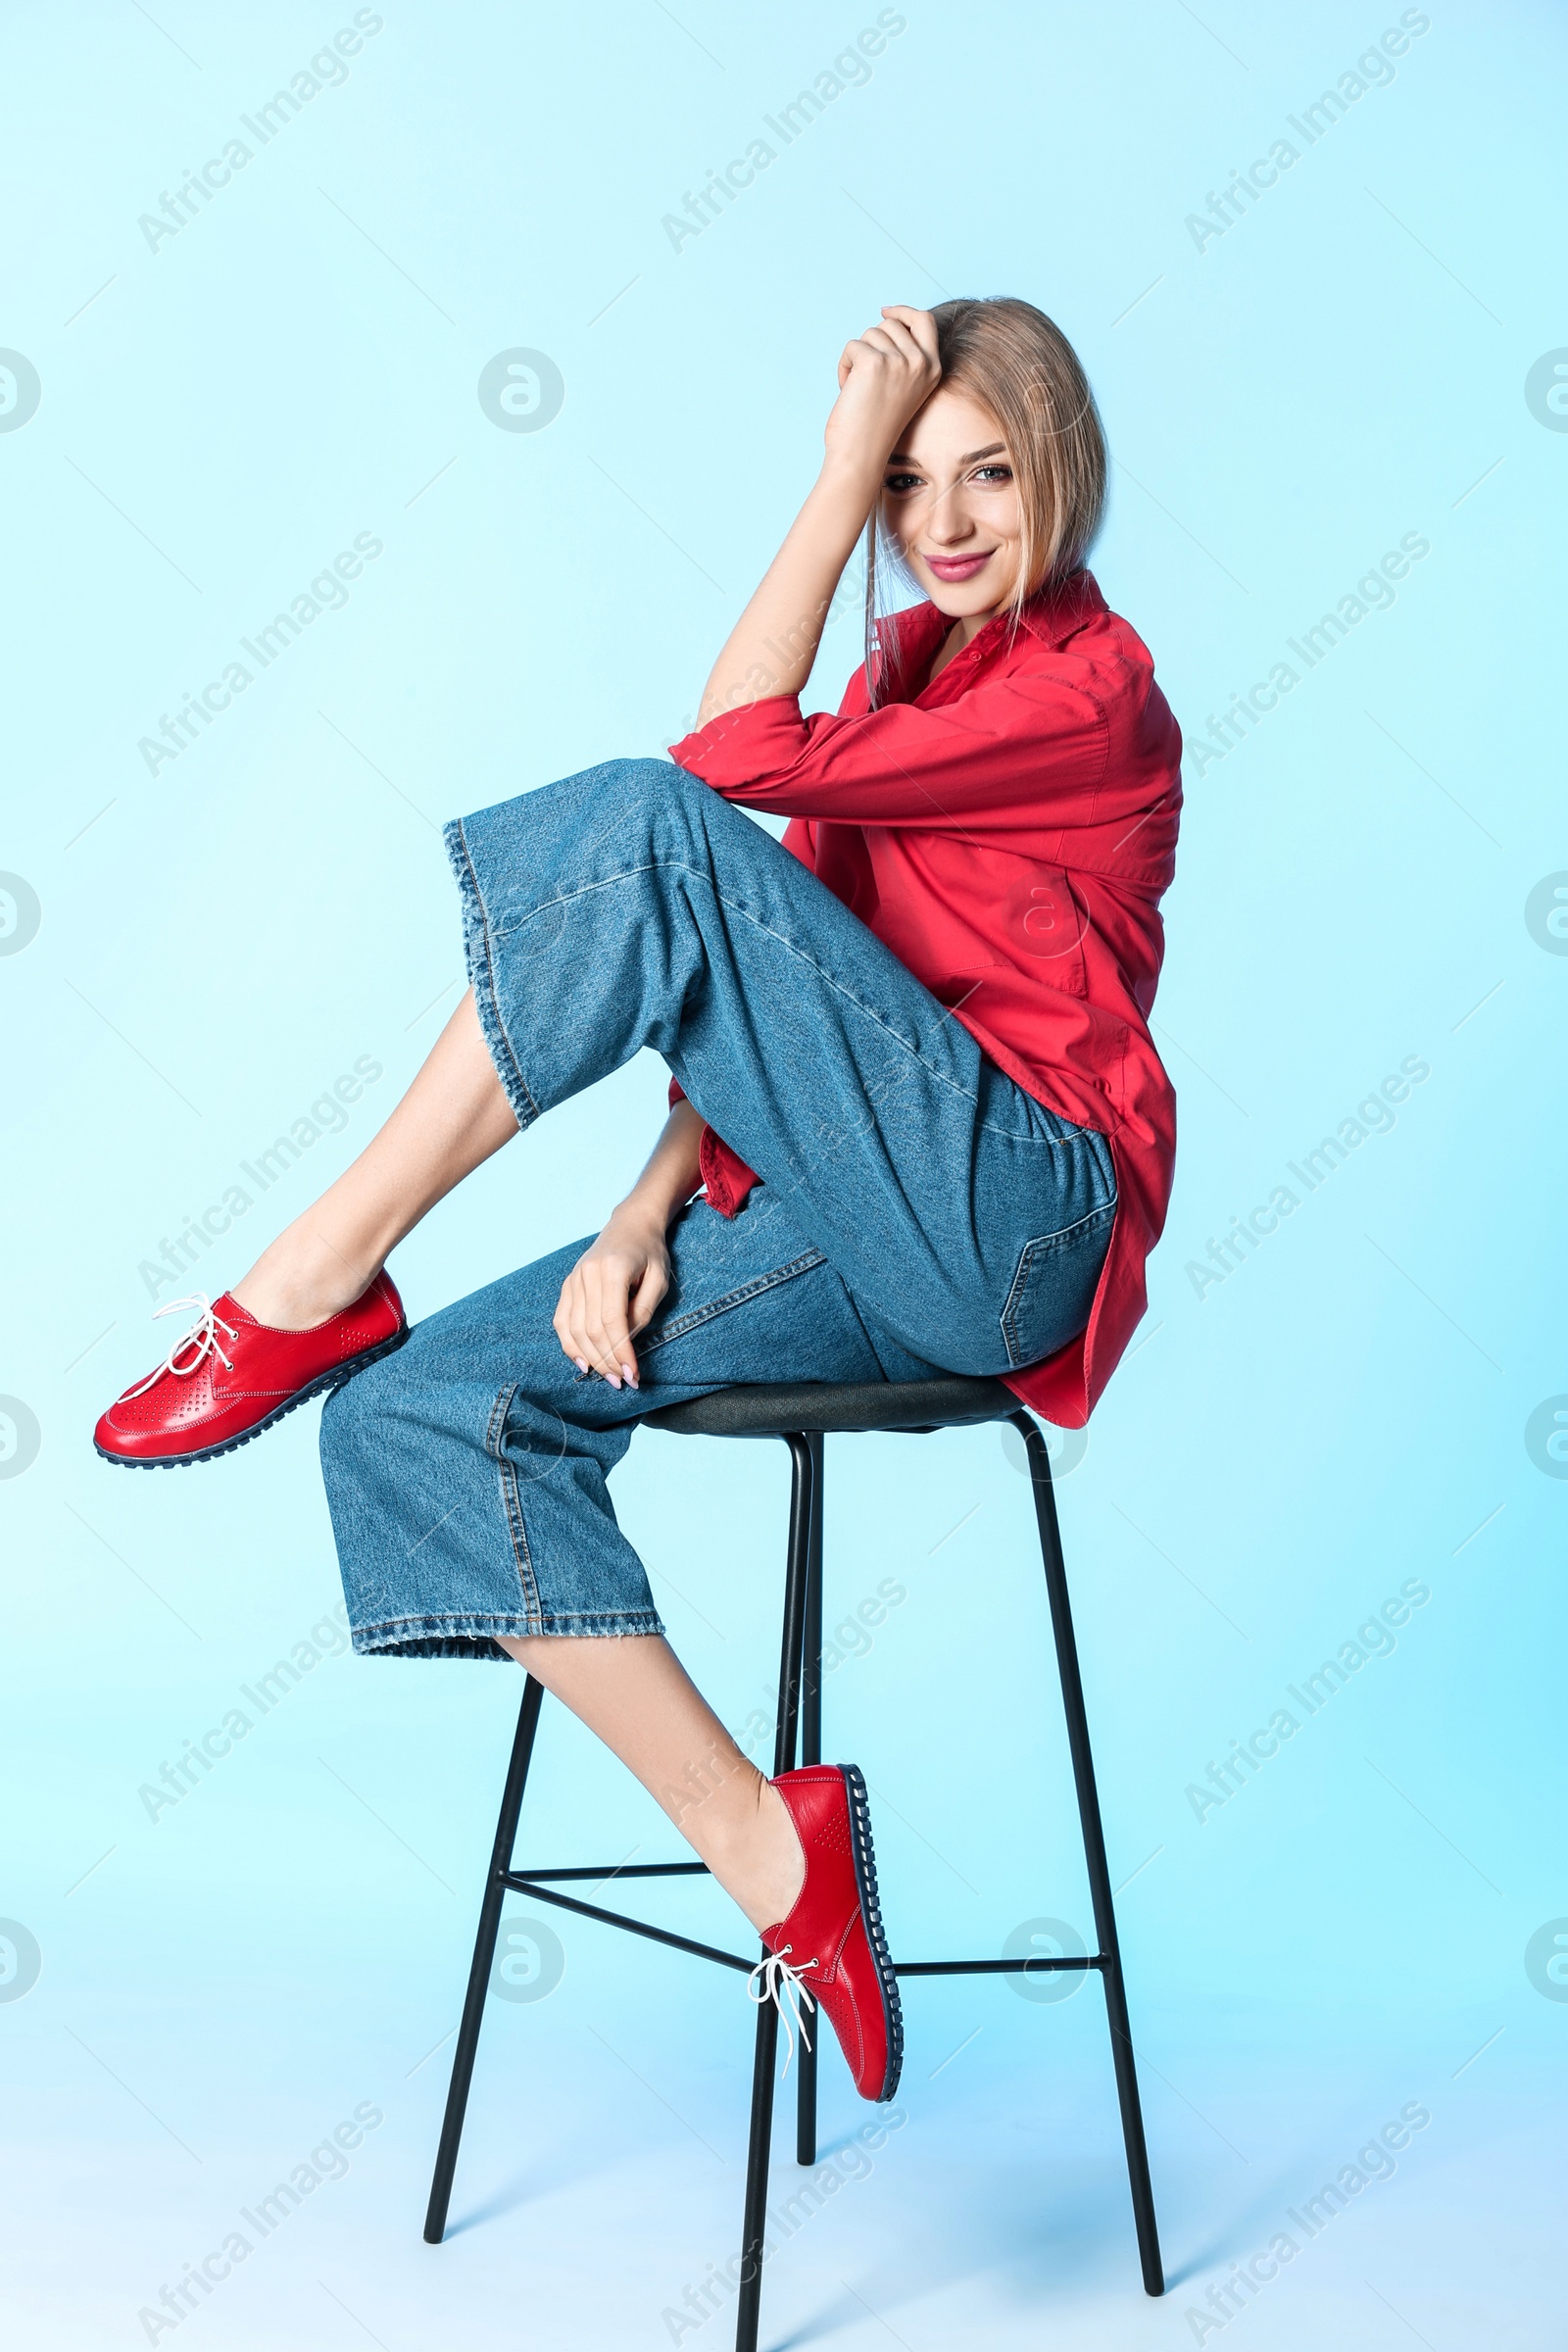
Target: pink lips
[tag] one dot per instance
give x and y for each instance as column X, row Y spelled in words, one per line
column 958, row 568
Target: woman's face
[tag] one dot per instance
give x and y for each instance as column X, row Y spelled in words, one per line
column 951, row 503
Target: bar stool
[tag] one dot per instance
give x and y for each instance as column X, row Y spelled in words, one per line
column 802, row 1415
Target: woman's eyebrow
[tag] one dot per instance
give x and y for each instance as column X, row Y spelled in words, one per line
column 970, row 456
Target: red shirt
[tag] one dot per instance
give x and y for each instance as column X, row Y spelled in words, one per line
column 1008, row 830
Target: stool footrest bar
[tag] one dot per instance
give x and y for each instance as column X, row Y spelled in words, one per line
column 526, row 1882
column 618, row 1870
column 994, row 1968
column 529, row 1882
column 633, row 1927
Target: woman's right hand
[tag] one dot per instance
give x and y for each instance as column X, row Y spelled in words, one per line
column 612, row 1294
column 884, row 376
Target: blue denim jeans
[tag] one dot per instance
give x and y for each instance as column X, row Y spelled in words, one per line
column 918, row 1213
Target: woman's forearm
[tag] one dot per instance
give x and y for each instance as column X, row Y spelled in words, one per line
column 672, row 1175
column 772, row 646
column 883, row 375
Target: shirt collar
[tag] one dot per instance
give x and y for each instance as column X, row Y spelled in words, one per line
column 1054, row 613
column 1051, row 614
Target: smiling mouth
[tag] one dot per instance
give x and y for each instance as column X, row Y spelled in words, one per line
column 958, row 568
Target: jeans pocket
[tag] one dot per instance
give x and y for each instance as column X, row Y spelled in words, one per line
column 1053, row 1288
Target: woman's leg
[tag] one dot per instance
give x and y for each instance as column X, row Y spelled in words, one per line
column 636, row 1695
column 631, row 907
column 454, row 1116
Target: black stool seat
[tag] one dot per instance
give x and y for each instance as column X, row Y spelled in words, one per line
column 817, row 1407
column 804, row 1414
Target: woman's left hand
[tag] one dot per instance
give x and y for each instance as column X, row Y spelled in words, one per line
column 612, row 1293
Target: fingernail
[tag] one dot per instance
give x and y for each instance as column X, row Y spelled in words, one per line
column 631, row 1376
column 613, row 1381
column 581, row 1362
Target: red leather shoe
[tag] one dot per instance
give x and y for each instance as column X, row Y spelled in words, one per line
column 831, row 1949
column 231, row 1377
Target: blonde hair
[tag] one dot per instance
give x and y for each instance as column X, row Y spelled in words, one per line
column 1018, row 363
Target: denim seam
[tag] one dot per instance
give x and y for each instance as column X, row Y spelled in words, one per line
column 480, row 1623
column 1038, row 1247
column 477, row 949
column 682, row 1324
column 697, row 874
column 511, row 1505
column 433, row 1620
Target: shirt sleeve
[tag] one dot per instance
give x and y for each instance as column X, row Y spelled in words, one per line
column 726, row 1178
column 1011, row 745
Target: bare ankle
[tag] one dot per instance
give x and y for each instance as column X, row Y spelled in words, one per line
column 787, row 1855
column 302, row 1280
column 763, row 1867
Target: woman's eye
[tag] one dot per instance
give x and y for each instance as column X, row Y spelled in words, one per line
column 899, row 484
column 993, row 476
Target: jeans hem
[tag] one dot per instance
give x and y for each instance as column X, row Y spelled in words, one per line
column 481, row 962
column 471, row 1635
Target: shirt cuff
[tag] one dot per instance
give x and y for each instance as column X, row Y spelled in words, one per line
column 746, row 745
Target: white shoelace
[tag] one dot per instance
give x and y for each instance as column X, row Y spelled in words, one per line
column 202, row 1338
column 785, row 1986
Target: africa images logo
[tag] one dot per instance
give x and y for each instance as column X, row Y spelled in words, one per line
column 521, row 390
column 21, row 913
column 20, row 391
column 1545, row 390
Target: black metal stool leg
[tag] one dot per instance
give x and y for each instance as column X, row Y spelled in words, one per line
column 1100, row 1891
column 484, row 1948
column 797, row 1579
column 812, row 1753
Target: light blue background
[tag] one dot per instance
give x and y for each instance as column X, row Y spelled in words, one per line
column 221, row 416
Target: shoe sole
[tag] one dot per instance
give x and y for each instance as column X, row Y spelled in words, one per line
column 210, row 1453
column 872, row 1913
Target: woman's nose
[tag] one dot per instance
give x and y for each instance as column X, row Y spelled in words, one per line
column 948, row 524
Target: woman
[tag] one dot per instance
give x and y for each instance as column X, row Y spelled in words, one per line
column 941, row 1139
